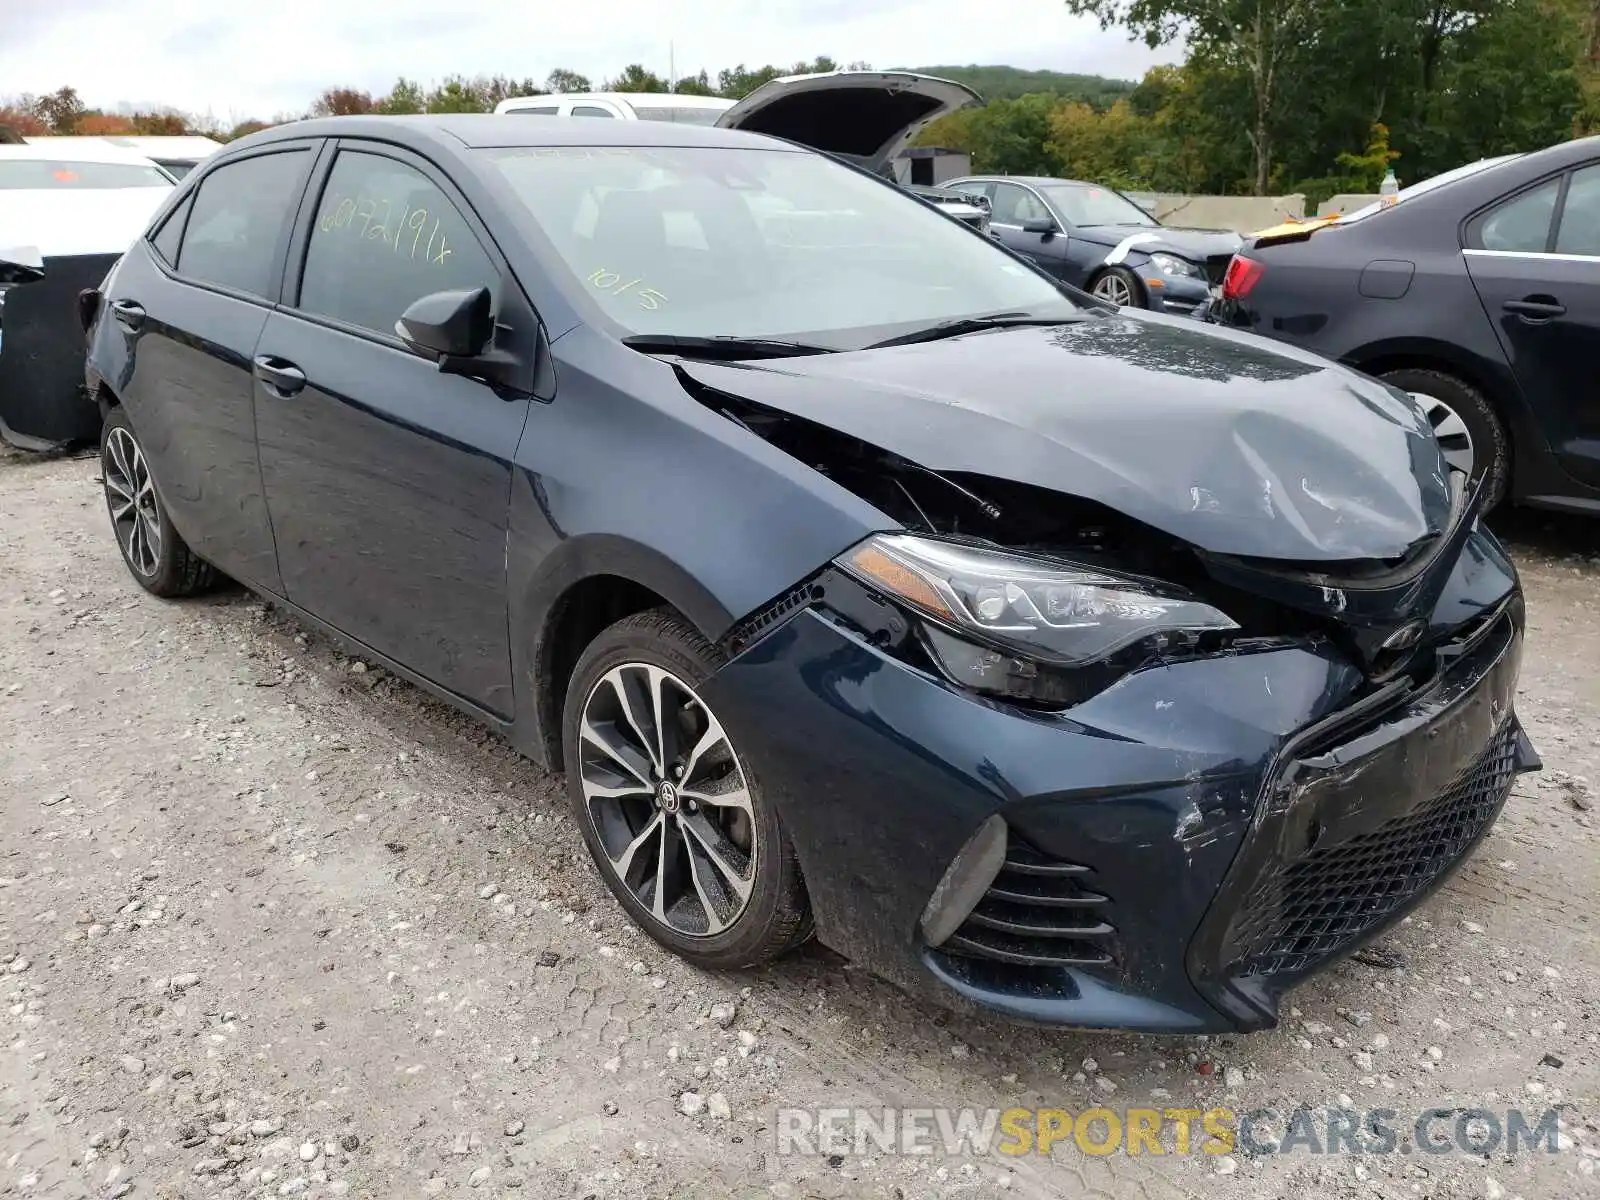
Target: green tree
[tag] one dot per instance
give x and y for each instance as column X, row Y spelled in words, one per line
column 695, row 85
column 1260, row 37
column 456, row 94
column 1106, row 147
column 563, row 80
column 404, row 98
column 635, row 78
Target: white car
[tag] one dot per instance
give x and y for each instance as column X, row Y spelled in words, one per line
column 621, row 106
column 68, row 210
column 176, row 155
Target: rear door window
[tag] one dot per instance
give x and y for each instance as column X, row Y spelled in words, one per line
column 385, row 236
column 237, row 220
column 591, row 110
column 1580, row 215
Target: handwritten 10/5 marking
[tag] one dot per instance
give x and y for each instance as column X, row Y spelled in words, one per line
column 356, row 215
column 611, row 283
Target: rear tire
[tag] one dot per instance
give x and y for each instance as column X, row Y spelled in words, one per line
column 1468, row 428
column 674, row 816
column 159, row 560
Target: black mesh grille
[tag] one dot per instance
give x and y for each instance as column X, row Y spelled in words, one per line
column 1038, row 912
column 1314, row 906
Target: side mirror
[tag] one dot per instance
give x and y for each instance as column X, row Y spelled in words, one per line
column 1042, row 225
column 20, row 264
column 449, row 325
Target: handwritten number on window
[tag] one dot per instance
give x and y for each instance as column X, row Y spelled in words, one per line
column 367, row 218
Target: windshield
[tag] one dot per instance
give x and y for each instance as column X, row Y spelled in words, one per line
column 735, row 242
column 677, row 114
column 1427, row 185
column 34, row 174
column 1084, row 204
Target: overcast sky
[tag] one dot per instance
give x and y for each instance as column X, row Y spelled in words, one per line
column 274, row 56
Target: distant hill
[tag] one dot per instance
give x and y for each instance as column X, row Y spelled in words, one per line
column 1007, row 83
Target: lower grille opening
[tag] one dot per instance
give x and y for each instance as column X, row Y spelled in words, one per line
column 1313, row 907
column 1038, row 912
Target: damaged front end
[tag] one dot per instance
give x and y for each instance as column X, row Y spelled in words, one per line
column 1125, row 780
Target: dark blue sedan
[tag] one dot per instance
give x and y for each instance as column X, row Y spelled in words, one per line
column 1082, row 664
column 1097, row 239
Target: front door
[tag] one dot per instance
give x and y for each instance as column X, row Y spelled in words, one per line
column 1535, row 261
column 389, row 482
column 1013, row 207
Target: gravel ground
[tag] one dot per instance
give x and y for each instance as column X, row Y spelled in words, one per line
column 275, row 923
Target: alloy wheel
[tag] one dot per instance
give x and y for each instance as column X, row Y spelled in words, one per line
column 1455, row 439
column 131, row 497
column 1113, row 287
column 668, row 799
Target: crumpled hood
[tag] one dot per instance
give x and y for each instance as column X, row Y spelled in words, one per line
column 1197, row 245
column 1220, row 440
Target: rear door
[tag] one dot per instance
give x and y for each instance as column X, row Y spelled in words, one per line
column 1535, row 261
column 190, row 306
column 389, row 482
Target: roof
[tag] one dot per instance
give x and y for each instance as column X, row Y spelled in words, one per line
column 481, row 130
column 73, row 149
column 652, row 99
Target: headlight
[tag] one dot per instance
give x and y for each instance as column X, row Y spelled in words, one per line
column 1026, row 612
column 1169, row 264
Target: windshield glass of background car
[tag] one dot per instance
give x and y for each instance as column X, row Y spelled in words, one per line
column 712, row 241
column 677, row 114
column 35, row 174
column 1084, row 205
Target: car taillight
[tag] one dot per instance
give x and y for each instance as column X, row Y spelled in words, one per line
column 1243, row 274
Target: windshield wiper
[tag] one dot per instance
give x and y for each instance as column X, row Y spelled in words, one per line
column 691, row 346
column 955, row 328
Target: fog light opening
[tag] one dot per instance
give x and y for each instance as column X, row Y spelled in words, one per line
column 965, row 881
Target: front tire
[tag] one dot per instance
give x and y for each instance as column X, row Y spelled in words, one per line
column 1470, row 434
column 674, row 817
column 156, row 556
column 1119, row 286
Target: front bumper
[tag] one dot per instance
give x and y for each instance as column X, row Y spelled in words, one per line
column 1178, row 295
column 1182, row 849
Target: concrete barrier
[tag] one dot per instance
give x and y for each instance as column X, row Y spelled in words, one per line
column 1347, row 203
column 1242, row 214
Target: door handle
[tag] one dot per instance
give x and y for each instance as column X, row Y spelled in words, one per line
column 280, row 377
column 1536, row 308
column 128, row 313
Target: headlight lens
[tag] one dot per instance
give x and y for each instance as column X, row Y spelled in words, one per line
column 1169, row 264
column 1026, row 612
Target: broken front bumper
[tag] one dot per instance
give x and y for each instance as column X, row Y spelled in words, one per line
column 1178, row 851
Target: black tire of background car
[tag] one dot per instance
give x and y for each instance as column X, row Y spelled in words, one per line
column 179, row 570
column 1135, row 285
column 778, row 916
column 1491, row 448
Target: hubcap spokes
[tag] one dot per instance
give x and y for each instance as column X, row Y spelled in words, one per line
column 131, row 497
column 1112, row 288
column 1455, row 440
column 666, row 794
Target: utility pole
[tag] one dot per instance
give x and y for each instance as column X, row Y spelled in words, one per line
column 672, row 70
